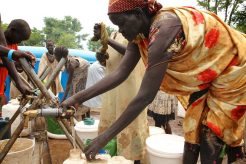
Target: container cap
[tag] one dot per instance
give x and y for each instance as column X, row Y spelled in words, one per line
column 81, row 127
column 74, row 154
column 89, row 121
column 164, row 144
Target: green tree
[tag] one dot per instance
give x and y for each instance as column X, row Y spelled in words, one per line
column 233, row 11
column 64, row 32
column 240, row 19
column 4, row 26
column 37, row 38
column 94, row 46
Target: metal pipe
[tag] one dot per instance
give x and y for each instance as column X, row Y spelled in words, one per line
column 45, row 68
column 7, row 126
column 56, row 72
column 11, row 141
column 50, row 80
column 24, row 80
column 52, row 112
column 77, row 139
column 45, row 74
column 69, row 137
column 33, row 76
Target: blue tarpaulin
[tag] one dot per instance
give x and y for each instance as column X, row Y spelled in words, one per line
column 39, row 51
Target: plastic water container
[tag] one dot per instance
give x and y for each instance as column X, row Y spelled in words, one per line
column 155, row 130
column 9, row 110
column 165, row 148
column 86, row 131
column 21, row 152
column 99, row 159
column 119, row 160
column 74, row 157
column 106, row 159
column 3, row 122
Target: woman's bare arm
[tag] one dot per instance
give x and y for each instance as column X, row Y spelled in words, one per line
column 127, row 64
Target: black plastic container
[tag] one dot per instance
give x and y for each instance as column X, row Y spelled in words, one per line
column 3, row 122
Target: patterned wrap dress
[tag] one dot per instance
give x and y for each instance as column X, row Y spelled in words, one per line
column 213, row 58
column 79, row 76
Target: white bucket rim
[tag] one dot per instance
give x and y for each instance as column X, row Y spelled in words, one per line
column 85, row 130
column 81, row 127
column 158, row 152
column 153, row 130
column 15, row 152
column 163, row 154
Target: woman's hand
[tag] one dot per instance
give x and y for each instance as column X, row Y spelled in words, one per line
column 97, row 32
column 98, row 143
column 67, row 103
column 21, row 54
column 24, row 89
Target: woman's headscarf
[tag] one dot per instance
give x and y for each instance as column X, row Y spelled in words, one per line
column 117, row 6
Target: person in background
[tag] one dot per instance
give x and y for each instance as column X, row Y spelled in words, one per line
column 17, row 31
column 131, row 141
column 163, row 109
column 77, row 69
column 48, row 59
column 96, row 72
column 187, row 52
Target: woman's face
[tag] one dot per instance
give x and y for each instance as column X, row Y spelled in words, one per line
column 130, row 24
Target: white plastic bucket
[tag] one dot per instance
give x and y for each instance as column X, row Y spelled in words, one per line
column 9, row 110
column 20, row 153
column 181, row 111
column 165, row 148
column 155, row 130
column 86, row 131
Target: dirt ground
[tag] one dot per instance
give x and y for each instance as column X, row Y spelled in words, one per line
column 59, row 150
column 176, row 125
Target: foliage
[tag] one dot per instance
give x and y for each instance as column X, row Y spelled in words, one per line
column 94, row 46
column 64, row 32
column 37, row 38
column 233, row 11
column 4, row 26
column 240, row 19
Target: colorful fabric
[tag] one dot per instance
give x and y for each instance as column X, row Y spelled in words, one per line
column 4, row 71
column 117, row 6
column 79, row 75
column 131, row 140
column 212, row 58
column 13, row 46
column 163, row 103
column 3, row 76
column 56, row 86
